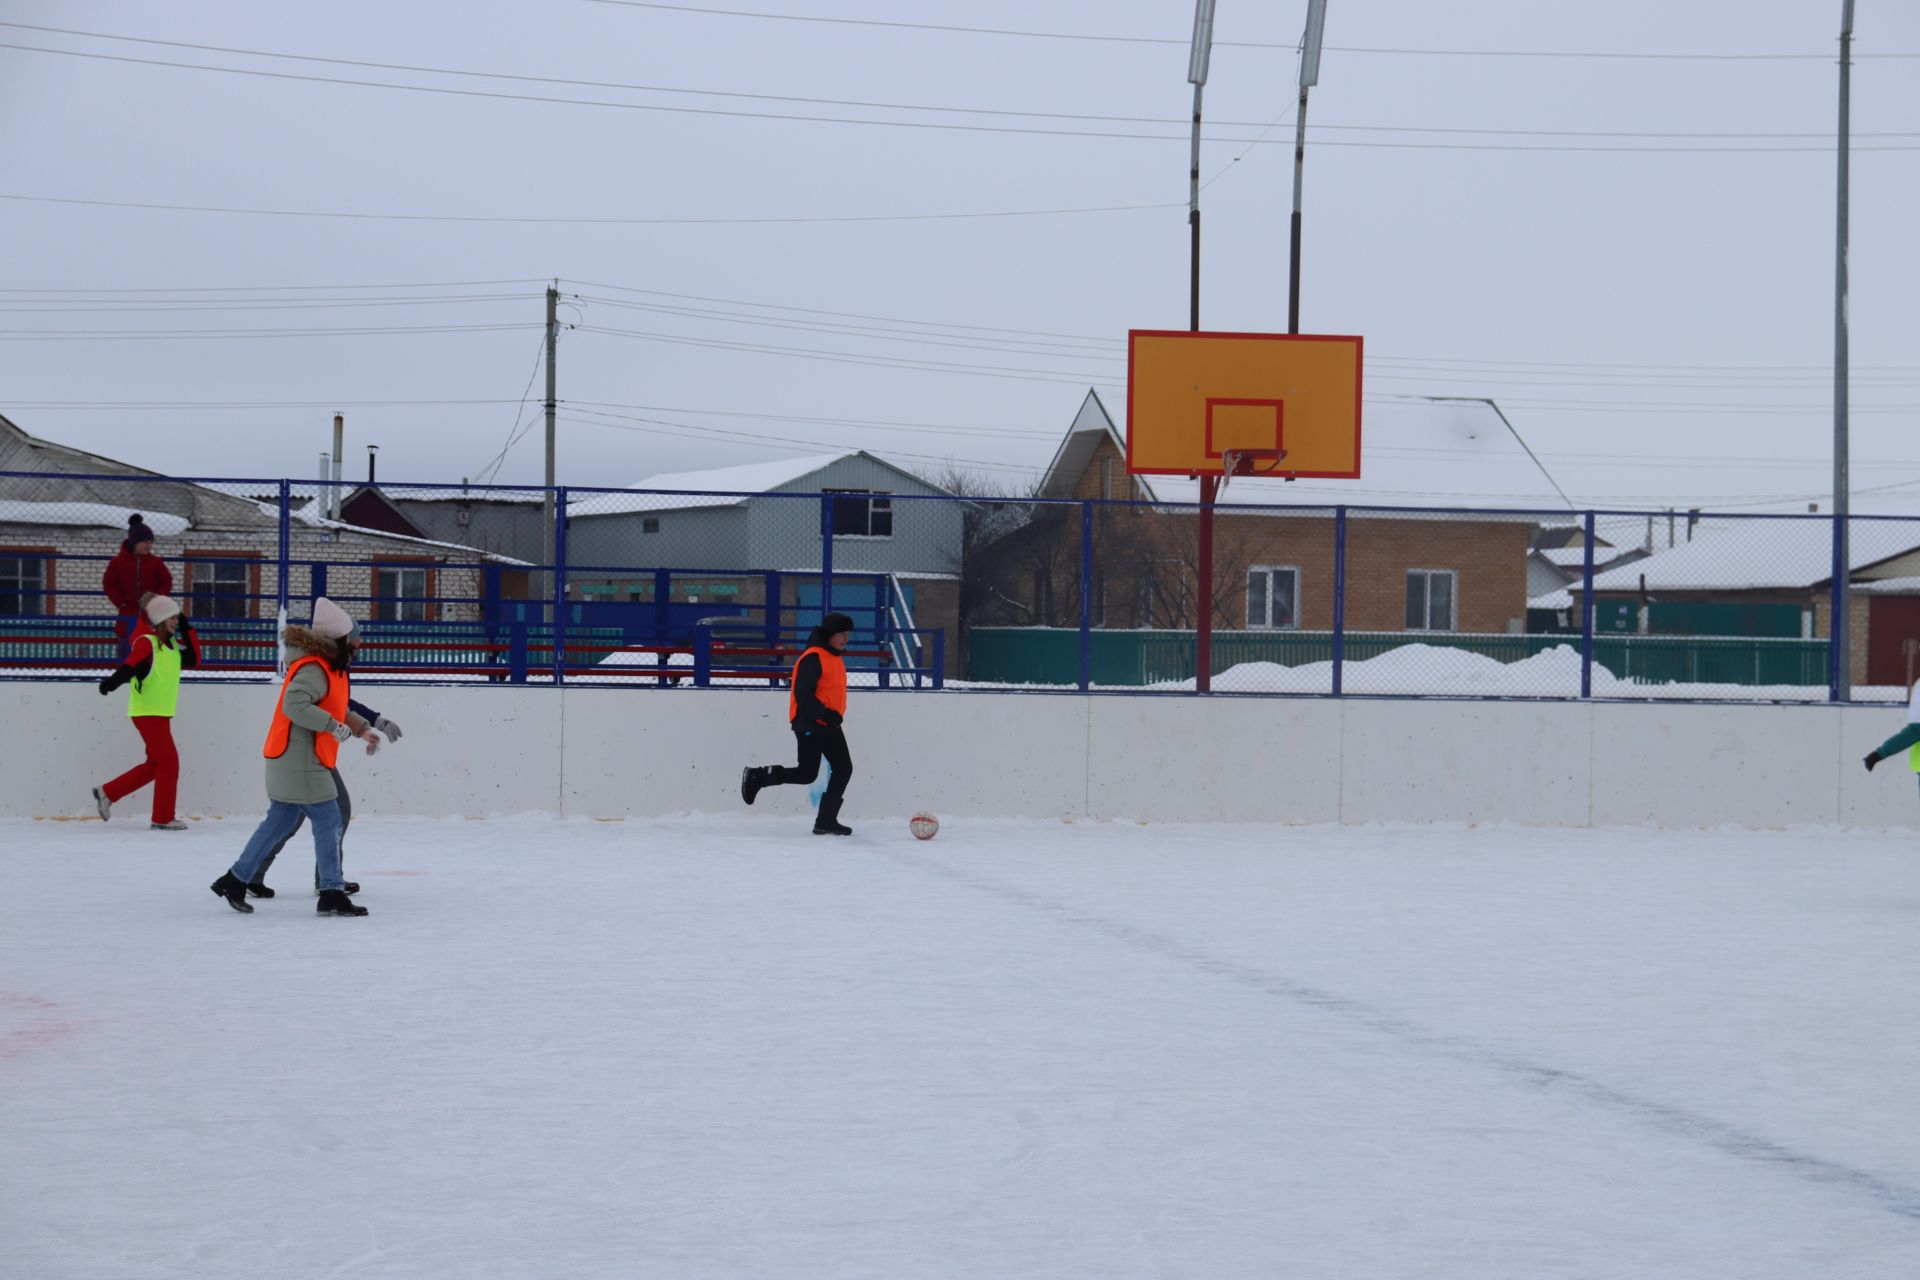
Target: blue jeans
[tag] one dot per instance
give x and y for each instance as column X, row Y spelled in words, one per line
column 281, row 821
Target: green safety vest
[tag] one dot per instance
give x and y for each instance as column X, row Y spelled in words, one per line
column 159, row 693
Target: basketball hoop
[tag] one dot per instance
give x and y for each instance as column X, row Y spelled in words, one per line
column 1248, row 462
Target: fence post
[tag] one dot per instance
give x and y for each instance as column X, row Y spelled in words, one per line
column 826, row 554
column 940, row 658
column 560, row 585
column 1086, row 596
column 1838, row 632
column 1586, row 611
column 286, row 567
column 882, row 627
column 1339, row 599
column 702, row 657
column 772, row 593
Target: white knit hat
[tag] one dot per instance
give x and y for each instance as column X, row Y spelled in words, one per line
column 330, row 621
column 160, row 608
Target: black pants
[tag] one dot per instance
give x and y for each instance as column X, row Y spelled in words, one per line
column 346, row 820
column 819, row 742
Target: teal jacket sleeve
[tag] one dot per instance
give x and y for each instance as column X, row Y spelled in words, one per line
column 1899, row 742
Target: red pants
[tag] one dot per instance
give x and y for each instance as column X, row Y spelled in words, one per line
column 161, row 768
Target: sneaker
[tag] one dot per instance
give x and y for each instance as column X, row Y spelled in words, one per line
column 335, row 902
column 234, row 890
column 259, row 889
column 102, row 805
column 175, row 825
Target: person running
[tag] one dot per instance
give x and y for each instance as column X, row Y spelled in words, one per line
column 153, row 669
column 303, row 743
column 361, row 719
column 816, row 707
column 1908, row 739
column 132, row 573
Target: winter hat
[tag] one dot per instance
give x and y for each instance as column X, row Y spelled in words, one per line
column 330, row 621
column 833, row 624
column 160, row 608
column 137, row 531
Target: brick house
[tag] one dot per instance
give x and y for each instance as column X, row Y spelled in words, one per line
column 1407, row 571
column 63, row 513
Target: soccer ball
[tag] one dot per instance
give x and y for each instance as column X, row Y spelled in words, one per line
column 923, row 826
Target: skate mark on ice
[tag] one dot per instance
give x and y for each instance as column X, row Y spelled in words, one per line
column 1720, row 1136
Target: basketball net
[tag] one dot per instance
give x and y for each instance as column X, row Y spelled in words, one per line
column 1248, row 462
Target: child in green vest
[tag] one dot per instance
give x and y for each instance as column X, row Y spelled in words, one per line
column 1908, row 739
column 153, row 668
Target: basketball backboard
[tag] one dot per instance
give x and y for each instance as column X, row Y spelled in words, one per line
column 1195, row 399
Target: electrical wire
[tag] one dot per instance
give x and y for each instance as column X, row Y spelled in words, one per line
column 493, row 467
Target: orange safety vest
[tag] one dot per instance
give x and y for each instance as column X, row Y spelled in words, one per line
column 832, row 689
column 334, row 704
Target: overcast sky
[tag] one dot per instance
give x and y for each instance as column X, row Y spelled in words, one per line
column 1634, row 255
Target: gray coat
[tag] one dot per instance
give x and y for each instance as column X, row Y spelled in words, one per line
column 296, row 776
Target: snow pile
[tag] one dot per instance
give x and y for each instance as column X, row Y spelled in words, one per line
column 91, row 514
column 1431, row 669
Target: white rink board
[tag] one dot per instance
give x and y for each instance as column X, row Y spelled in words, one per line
column 611, row 753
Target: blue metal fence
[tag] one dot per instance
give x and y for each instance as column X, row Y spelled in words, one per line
column 1012, row 592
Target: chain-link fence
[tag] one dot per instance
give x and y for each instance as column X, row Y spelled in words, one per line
column 689, row 588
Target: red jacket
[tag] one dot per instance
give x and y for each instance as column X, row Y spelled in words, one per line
column 128, row 576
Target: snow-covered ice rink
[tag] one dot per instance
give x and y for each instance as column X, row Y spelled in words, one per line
column 725, row 1048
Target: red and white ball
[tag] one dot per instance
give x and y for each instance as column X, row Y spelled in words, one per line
column 923, row 825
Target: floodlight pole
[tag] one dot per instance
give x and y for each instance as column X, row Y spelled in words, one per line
column 1841, row 628
column 1197, row 77
column 549, row 507
column 1309, row 76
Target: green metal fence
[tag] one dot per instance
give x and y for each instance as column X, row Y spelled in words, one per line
column 1050, row 656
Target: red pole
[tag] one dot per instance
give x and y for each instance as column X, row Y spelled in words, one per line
column 1204, row 658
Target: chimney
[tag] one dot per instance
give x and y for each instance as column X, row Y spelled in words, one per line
column 330, row 500
column 373, row 453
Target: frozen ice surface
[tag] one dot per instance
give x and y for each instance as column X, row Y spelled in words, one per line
column 725, row 1048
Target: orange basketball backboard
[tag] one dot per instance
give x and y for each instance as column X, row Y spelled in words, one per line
column 1193, row 397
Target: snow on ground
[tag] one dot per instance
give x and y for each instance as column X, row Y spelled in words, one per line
column 725, row 1048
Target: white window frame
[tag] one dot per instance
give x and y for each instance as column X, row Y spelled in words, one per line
column 880, row 498
column 1453, row 600
column 401, row 604
column 34, row 592
column 1268, row 624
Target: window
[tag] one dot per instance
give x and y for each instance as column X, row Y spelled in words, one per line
column 649, row 524
column 403, row 592
column 26, row 583
column 862, row 513
column 1273, row 596
column 1430, row 599
column 221, row 586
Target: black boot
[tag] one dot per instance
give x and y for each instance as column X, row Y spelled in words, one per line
column 259, row 889
column 234, row 890
column 827, row 822
column 752, row 779
column 335, row 902
column 352, row 886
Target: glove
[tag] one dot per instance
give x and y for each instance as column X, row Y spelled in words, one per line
column 389, row 728
column 340, row 732
column 1873, row 757
column 373, row 743
column 106, row 687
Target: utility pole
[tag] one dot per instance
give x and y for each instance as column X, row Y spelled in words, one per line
column 1842, row 627
column 1197, row 77
column 553, row 346
column 1309, row 76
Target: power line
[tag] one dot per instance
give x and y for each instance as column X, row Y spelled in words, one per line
column 540, row 353
column 621, row 222
column 81, row 335
column 1238, row 44
column 891, row 124
column 278, row 288
column 684, row 430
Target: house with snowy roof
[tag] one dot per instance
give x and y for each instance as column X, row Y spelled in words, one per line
column 850, row 528
column 1772, row 576
column 64, row 512
column 1409, row 566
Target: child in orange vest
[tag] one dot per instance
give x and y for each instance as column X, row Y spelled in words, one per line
column 309, row 724
column 815, row 710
